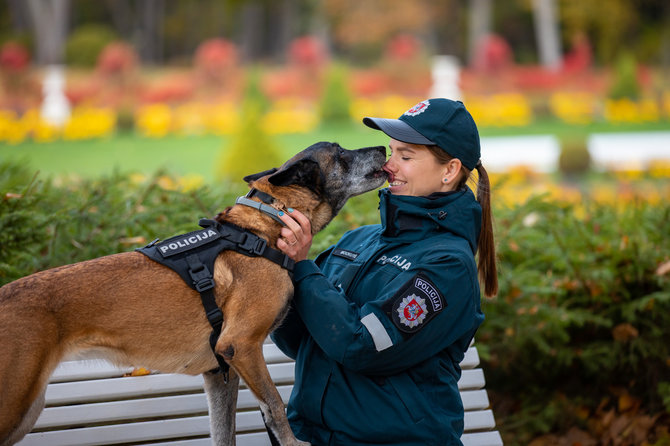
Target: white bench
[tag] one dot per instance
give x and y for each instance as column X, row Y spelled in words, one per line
column 89, row 402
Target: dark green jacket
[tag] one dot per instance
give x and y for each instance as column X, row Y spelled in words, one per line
column 380, row 322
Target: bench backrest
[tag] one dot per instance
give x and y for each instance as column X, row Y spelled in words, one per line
column 90, row 402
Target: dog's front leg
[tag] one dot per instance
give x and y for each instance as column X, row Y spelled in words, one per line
column 222, row 401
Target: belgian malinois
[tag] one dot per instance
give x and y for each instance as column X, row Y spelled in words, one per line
column 133, row 311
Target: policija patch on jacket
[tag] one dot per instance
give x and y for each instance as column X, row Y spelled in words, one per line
column 415, row 304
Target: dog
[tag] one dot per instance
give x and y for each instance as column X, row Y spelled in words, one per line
column 133, row 311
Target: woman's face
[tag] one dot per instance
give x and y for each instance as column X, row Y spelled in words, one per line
column 414, row 170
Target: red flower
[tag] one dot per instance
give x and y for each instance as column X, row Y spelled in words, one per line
column 14, row 57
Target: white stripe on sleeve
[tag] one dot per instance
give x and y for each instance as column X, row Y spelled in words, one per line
column 379, row 335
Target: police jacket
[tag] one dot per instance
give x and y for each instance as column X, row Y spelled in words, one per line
column 380, row 322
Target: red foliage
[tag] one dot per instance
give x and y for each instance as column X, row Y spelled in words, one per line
column 307, row 51
column 579, row 58
column 403, row 48
column 117, row 58
column 214, row 58
column 170, row 90
column 14, row 57
column 493, row 54
column 369, row 83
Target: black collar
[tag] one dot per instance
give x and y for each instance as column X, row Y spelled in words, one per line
column 262, row 207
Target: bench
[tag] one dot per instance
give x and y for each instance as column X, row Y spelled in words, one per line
column 90, row 402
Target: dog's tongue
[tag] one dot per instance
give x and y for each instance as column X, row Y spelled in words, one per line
column 389, row 176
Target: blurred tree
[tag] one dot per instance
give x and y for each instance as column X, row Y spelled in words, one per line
column 547, row 33
column 640, row 26
column 49, row 20
column 360, row 29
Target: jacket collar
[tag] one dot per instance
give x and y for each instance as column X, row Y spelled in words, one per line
column 408, row 218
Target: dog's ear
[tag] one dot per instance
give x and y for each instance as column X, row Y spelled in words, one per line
column 304, row 172
column 256, row 176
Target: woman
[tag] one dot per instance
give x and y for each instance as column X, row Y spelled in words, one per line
column 380, row 322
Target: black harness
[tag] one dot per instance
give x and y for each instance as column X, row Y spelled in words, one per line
column 192, row 256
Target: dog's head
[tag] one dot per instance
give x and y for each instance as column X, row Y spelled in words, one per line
column 333, row 174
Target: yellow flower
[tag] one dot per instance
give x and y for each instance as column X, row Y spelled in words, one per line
column 190, row 182
column 573, row 108
column 154, row 120
column 222, row 119
column 90, row 122
column 288, row 116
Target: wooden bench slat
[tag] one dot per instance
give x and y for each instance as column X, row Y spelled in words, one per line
column 85, row 369
column 479, row 420
column 178, row 405
column 475, row 399
column 491, row 438
column 121, row 433
column 471, row 379
column 134, row 387
column 184, row 427
column 471, row 359
column 138, row 386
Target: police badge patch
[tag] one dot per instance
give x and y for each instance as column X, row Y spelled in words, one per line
column 416, row 303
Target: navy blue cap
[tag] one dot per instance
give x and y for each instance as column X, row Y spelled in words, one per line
column 440, row 122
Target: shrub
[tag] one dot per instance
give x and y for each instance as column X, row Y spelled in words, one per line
column 335, row 103
column 85, row 44
column 625, row 84
column 575, row 158
column 46, row 226
column 214, row 59
column 24, row 225
column 14, row 57
column 251, row 149
column 116, row 59
column 582, row 311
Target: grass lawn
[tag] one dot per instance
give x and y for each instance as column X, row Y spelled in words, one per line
column 199, row 155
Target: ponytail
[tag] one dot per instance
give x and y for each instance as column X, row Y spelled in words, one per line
column 486, row 264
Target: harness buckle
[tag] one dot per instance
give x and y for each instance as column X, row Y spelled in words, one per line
column 204, row 284
column 254, row 245
column 259, row 246
column 215, row 317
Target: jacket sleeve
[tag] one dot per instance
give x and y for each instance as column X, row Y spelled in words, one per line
column 366, row 339
column 290, row 333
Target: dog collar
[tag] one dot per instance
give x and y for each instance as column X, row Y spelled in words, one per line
column 262, row 207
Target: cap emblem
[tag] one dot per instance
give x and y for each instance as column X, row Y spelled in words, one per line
column 418, row 108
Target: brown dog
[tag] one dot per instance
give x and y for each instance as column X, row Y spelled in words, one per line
column 133, row 311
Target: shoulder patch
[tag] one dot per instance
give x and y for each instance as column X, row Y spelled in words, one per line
column 415, row 304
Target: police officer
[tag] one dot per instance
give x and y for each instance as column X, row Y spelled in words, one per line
column 380, row 321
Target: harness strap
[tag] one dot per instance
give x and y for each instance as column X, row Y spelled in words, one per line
column 250, row 244
column 204, row 284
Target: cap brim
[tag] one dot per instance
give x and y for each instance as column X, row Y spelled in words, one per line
column 398, row 129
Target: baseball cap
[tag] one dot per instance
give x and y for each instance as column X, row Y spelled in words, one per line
column 441, row 122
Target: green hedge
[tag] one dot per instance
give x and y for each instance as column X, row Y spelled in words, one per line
column 583, row 309
column 582, row 314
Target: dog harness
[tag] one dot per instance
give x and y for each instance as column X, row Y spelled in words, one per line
column 192, row 256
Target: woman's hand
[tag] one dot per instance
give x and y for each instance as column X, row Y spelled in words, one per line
column 296, row 237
